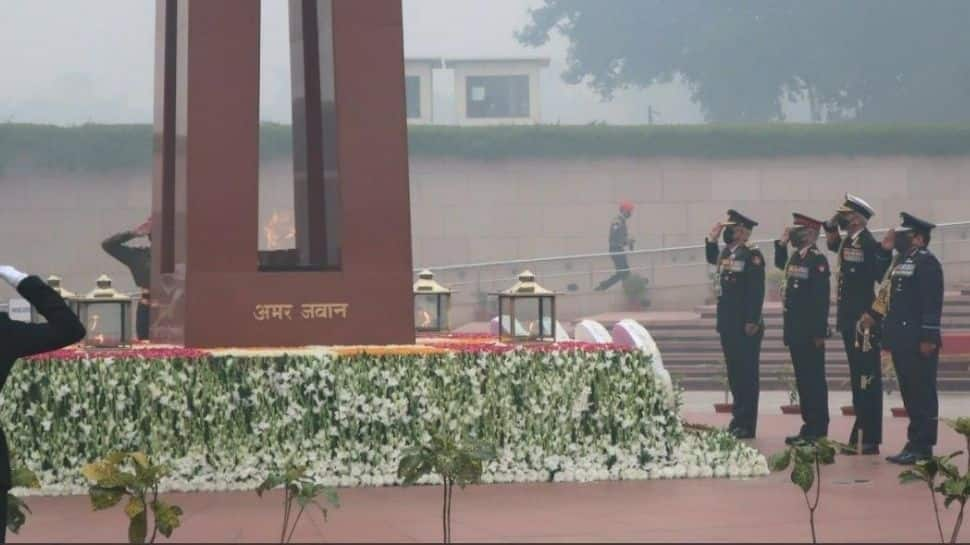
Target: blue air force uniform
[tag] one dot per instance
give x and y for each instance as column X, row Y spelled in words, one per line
column 806, row 320
column 741, row 283
column 915, row 309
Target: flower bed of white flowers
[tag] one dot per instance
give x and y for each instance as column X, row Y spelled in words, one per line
column 223, row 422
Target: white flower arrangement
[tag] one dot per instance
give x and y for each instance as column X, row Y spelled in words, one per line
column 223, row 422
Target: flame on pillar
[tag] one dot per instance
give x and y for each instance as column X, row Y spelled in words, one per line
column 279, row 230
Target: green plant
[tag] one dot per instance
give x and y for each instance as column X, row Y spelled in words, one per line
column 806, row 461
column 454, row 462
column 17, row 509
column 297, row 488
column 132, row 474
column 635, row 288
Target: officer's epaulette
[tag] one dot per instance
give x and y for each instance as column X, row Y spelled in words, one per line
column 750, row 246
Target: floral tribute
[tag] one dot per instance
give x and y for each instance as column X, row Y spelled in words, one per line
column 226, row 419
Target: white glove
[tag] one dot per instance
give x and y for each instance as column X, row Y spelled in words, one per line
column 11, row 275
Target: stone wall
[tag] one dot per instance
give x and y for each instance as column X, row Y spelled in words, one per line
column 468, row 211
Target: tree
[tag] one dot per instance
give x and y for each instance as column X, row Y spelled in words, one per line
column 869, row 60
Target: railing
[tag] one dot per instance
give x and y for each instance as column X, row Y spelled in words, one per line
column 678, row 278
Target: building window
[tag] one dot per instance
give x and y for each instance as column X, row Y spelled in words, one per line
column 413, row 90
column 497, row 96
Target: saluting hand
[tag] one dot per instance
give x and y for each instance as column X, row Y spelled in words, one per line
column 786, row 236
column 11, row 275
column 715, row 232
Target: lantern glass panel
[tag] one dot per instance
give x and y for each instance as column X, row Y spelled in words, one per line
column 430, row 311
column 106, row 323
column 528, row 317
column 547, row 307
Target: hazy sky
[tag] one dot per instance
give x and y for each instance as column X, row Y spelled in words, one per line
column 74, row 61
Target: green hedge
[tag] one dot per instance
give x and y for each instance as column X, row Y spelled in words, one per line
column 98, row 148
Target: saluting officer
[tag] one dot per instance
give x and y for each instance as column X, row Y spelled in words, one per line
column 861, row 268
column 741, row 286
column 806, row 321
column 911, row 331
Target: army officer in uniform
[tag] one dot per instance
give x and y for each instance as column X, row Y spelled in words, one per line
column 861, row 268
column 806, row 321
column 911, row 331
column 741, row 287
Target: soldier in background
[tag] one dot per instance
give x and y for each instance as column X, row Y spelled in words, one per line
column 861, row 268
column 806, row 322
column 138, row 259
column 911, row 331
column 741, row 296
column 619, row 243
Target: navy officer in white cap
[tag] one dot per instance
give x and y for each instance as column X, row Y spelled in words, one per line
column 861, row 269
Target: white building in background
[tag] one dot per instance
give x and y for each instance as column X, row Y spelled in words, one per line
column 418, row 77
column 497, row 91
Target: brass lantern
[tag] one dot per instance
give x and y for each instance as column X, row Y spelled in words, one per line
column 69, row 297
column 107, row 315
column 527, row 311
column 432, row 301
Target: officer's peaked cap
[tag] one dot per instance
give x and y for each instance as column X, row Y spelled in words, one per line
column 737, row 218
column 856, row 204
column 912, row 223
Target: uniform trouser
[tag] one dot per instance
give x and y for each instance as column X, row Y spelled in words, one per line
column 917, row 385
column 142, row 320
column 3, row 516
column 622, row 271
column 865, row 369
column 742, row 355
column 813, row 392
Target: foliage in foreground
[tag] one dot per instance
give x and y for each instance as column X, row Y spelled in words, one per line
column 941, row 476
column 299, row 489
column 806, row 460
column 133, row 475
column 453, row 462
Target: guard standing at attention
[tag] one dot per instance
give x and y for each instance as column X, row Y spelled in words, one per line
column 806, row 322
column 911, row 331
column 861, row 269
column 741, row 294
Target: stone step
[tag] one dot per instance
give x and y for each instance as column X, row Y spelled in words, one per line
column 770, row 383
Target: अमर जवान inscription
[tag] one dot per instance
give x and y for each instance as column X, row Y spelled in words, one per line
column 308, row 311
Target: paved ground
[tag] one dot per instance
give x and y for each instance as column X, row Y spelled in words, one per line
column 861, row 501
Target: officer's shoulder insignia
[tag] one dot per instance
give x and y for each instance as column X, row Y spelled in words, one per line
column 756, row 259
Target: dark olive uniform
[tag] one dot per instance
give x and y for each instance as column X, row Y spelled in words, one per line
column 741, row 282
column 806, row 318
column 914, row 315
column 619, row 244
column 139, row 262
column 861, row 269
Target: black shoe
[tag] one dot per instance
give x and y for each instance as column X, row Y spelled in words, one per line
column 909, row 457
column 801, row 439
